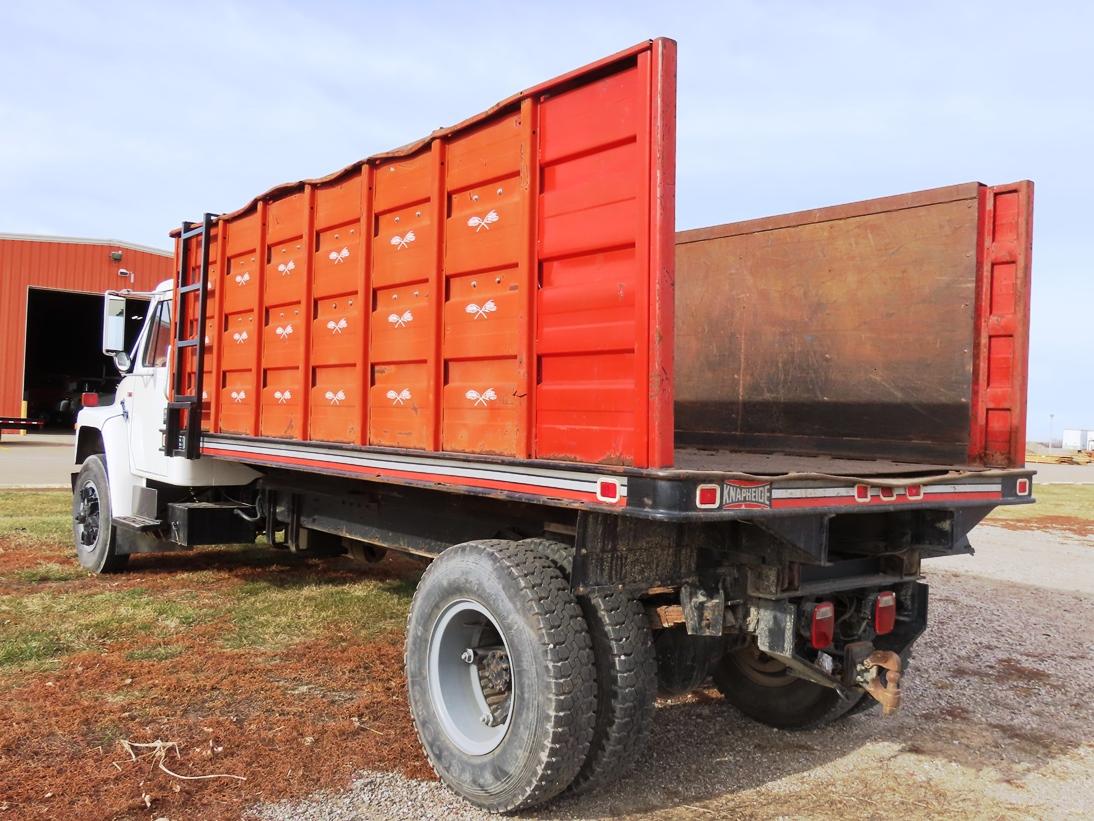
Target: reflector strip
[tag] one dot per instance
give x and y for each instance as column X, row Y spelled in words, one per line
column 561, row 484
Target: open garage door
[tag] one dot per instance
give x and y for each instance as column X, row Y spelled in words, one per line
column 64, row 357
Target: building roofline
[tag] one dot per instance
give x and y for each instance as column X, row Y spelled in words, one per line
column 132, row 246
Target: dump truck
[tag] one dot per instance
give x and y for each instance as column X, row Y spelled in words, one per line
column 634, row 459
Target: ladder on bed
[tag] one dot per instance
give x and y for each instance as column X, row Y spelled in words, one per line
column 183, row 416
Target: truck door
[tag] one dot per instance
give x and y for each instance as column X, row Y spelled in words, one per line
column 148, row 398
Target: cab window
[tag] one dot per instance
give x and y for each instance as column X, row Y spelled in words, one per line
column 159, row 337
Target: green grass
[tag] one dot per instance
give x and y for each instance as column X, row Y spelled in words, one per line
column 1072, row 501
column 39, row 627
column 50, row 572
column 40, row 515
column 271, row 615
column 290, row 601
column 29, row 650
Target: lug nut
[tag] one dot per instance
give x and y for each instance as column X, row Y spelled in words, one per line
column 468, row 656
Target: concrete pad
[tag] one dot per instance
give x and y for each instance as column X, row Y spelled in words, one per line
column 36, row 460
column 1063, row 474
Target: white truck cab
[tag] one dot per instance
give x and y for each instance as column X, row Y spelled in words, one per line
column 126, row 437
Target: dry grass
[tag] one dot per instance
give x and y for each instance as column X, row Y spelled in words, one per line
column 1069, row 508
column 257, row 663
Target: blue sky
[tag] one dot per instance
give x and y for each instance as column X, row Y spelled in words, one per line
column 120, row 120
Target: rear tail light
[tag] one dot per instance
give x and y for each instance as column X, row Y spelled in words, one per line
column 89, row 399
column 823, row 627
column 885, row 612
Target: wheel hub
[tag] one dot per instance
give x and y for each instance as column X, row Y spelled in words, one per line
column 86, row 517
column 470, row 677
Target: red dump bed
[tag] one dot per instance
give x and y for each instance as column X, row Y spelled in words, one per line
column 510, row 289
column 502, row 287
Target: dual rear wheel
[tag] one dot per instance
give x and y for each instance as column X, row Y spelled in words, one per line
column 518, row 689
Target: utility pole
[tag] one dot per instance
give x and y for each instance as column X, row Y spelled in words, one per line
column 1051, row 417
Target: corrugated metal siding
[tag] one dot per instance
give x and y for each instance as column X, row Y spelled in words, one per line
column 64, row 266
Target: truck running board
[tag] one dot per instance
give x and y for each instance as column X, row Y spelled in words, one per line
column 139, row 524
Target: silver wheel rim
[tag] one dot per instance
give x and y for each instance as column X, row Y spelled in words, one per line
column 87, row 519
column 473, row 709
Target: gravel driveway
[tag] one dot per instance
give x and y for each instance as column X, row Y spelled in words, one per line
column 997, row 721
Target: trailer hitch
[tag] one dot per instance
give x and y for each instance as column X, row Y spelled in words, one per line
column 868, row 676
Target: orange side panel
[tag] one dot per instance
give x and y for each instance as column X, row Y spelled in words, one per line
column 403, row 252
column 484, row 402
column 495, row 289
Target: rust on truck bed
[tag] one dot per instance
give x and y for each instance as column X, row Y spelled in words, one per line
column 872, row 329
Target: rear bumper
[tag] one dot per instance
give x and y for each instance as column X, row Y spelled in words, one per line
column 712, row 497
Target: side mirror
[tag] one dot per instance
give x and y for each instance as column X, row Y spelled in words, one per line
column 113, row 324
column 122, row 361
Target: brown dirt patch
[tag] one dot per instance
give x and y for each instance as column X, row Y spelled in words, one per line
column 303, row 719
column 290, row 719
column 1006, row 671
column 1073, row 525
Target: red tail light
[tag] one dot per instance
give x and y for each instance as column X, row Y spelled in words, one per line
column 823, row 627
column 89, row 399
column 885, row 612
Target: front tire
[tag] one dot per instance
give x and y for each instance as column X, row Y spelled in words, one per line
column 500, row 675
column 92, row 521
column 763, row 689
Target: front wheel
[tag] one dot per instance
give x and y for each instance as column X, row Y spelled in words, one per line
column 500, row 675
column 763, row 689
column 92, row 522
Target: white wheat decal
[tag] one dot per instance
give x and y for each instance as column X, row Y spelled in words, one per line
column 238, row 396
column 403, row 241
column 286, row 268
column 338, row 256
column 336, row 327
column 285, row 332
column 399, row 397
column 487, row 395
column 484, row 310
column 240, row 337
column 478, row 223
column 243, row 279
column 282, row 396
column 400, row 321
column 334, row 398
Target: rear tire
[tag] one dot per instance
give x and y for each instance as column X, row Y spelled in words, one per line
column 509, row 728
column 626, row 677
column 763, row 689
column 92, row 521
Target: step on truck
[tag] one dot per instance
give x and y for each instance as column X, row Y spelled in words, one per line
column 636, row 459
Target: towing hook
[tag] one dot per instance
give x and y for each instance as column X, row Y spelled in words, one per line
column 887, row 692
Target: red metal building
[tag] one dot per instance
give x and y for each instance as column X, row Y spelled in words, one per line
column 51, row 313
